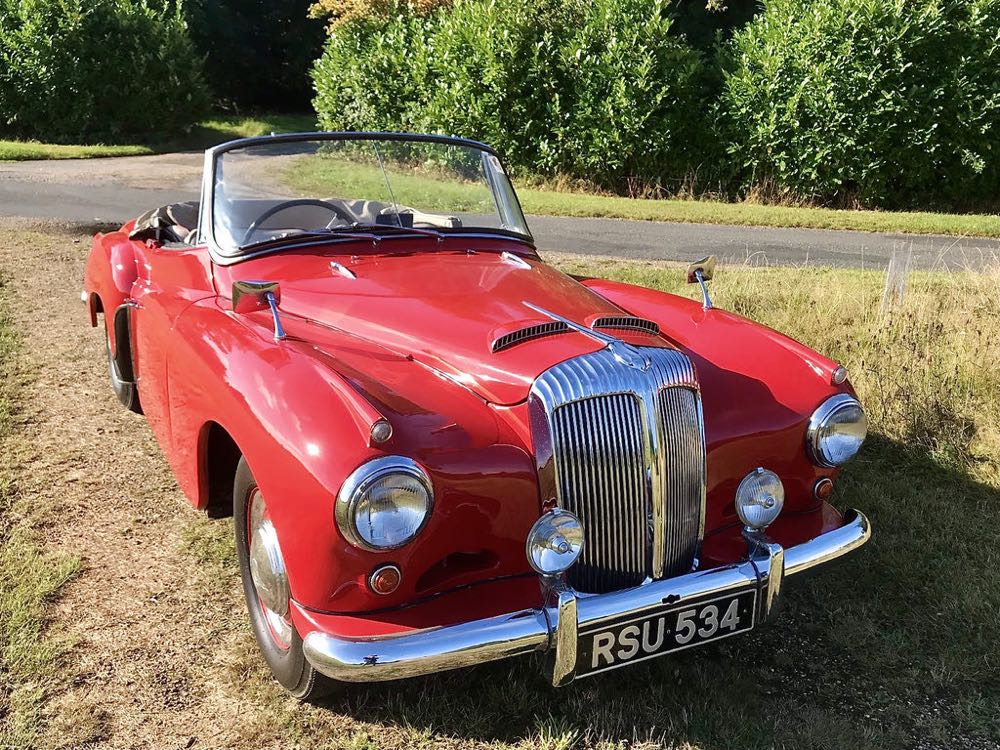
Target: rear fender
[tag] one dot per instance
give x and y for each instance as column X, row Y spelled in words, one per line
column 110, row 273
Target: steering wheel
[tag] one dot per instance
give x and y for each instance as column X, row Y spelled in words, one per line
column 284, row 205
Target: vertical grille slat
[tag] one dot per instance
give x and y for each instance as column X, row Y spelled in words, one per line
column 678, row 411
column 587, row 443
column 610, row 427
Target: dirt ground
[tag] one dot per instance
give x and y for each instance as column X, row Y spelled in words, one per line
column 150, row 627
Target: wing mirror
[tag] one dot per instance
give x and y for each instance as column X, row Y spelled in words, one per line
column 698, row 273
column 251, row 296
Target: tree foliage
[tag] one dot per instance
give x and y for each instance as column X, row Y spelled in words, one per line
column 880, row 102
column 96, row 70
column 257, row 54
column 595, row 88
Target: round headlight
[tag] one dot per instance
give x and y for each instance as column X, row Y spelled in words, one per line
column 554, row 542
column 836, row 431
column 384, row 503
column 759, row 498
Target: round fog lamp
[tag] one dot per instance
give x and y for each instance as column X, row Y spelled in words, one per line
column 759, row 498
column 554, row 542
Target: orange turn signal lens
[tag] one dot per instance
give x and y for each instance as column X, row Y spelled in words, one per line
column 823, row 489
column 385, row 580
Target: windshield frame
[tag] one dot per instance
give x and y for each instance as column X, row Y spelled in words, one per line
column 206, row 224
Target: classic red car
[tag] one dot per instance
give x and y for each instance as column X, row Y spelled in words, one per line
column 440, row 451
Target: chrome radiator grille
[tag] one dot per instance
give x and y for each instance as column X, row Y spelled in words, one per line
column 623, row 447
column 602, row 478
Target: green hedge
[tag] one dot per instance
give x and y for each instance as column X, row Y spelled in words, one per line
column 892, row 103
column 96, row 70
column 598, row 89
column 878, row 103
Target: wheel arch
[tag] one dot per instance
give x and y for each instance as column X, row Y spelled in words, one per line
column 218, row 456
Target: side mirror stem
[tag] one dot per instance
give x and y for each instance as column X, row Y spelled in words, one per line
column 701, row 271
column 706, row 300
column 279, row 330
column 250, row 296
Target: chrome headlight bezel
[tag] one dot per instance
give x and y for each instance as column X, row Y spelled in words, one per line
column 361, row 481
column 821, row 419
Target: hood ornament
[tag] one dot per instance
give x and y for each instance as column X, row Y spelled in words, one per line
column 625, row 354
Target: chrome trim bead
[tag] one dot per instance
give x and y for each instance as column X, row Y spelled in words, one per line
column 527, row 334
column 622, row 445
column 361, row 480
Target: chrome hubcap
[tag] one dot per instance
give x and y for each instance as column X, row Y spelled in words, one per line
column 267, row 571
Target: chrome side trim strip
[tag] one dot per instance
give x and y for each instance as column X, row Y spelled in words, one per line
column 466, row 644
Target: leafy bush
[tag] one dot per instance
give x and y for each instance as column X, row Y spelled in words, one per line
column 595, row 89
column 342, row 11
column 257, row 54
column 88, row 70
column 890, row 103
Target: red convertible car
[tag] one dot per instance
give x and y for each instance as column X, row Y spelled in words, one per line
column 440, row 451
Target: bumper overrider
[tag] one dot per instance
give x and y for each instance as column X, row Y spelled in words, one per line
column 567, row 619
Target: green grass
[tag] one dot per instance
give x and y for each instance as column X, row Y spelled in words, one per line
column 29, row 576
column 207, row 133
column 555, row 203
column 326, row 176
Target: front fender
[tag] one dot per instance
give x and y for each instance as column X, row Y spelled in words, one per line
column 296, row 420
column 759, row 388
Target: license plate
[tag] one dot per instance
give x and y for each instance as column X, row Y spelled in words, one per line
column 634, row 639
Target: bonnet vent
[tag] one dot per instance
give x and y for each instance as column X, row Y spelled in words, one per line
column 526, row 334
column 626, row 322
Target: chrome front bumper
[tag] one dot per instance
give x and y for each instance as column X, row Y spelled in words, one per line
column 554, row 626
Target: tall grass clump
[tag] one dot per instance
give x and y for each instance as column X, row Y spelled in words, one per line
column 90, row 71
column 879, row 103
column 599, row 89
column 924, row 370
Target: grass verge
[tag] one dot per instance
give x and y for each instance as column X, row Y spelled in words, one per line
column 430, row 192
column 29, row 576
column 207, row 133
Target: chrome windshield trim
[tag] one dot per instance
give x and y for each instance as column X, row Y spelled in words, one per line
column 206, row 230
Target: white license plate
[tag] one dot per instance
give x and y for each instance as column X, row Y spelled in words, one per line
column 634, row 639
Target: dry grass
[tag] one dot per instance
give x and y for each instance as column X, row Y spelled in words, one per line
column 894, row 648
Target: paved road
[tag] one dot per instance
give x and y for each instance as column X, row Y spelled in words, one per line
column 114, row 190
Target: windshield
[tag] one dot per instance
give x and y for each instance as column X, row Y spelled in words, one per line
column 297, row 188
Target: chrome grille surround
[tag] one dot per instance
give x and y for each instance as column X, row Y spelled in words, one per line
column 623, row 447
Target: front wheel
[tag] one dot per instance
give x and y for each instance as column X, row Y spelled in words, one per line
column 265, row 586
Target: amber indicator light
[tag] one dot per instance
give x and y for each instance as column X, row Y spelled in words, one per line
column 385, row 580
column 823, row 489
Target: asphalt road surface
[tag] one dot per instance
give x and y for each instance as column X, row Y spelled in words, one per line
column 115, row 190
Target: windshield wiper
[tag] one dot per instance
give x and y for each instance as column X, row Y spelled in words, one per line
column 359, row 226
column 311, row 234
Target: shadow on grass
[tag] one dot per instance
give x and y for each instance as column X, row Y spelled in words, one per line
column 888, row 649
